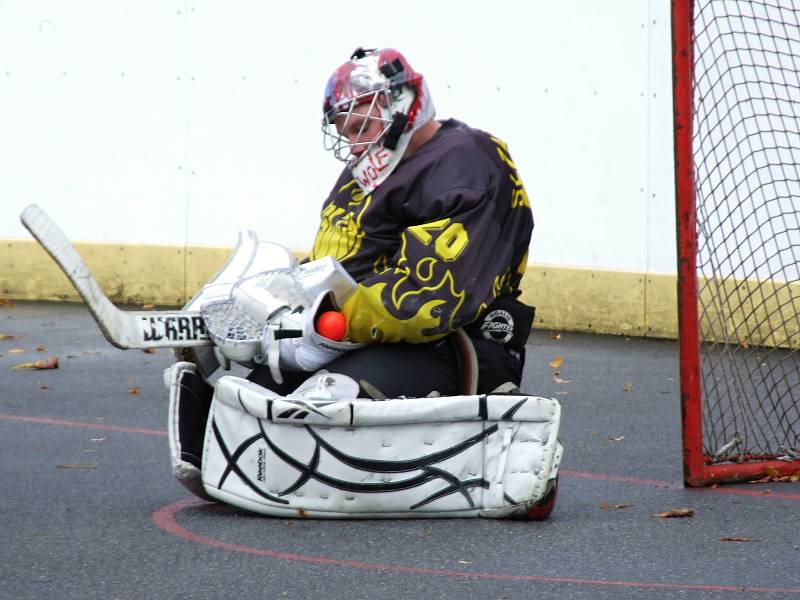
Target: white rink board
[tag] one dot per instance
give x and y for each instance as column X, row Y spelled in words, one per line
column 92, row 118
column 183, row 122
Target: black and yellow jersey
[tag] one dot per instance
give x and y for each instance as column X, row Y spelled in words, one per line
column 442, row 237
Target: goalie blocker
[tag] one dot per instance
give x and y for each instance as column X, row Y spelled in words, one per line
column 321, row 452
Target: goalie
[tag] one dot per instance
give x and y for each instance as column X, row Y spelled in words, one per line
column 421, row 247
column 431, row 220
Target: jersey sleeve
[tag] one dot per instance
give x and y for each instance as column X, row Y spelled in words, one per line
column 468, row 245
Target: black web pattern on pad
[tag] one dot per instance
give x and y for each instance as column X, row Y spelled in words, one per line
column 422, row 469
column 746, row 154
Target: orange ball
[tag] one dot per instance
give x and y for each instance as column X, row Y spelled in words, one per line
column 332, row 325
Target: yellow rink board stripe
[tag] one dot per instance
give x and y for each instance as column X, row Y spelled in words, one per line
column 602, row 301
column 566, row 298
column 596, row 300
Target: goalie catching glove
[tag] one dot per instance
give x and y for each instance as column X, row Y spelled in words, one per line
column 270, row 318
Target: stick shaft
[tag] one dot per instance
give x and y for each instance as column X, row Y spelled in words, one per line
column 124, row 329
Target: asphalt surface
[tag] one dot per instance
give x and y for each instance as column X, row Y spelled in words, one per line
column 90, row 510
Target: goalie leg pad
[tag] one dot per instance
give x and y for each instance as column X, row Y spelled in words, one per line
column 457, row 456
column 189, row 403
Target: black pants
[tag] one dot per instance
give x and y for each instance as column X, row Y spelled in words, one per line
column 410, row 369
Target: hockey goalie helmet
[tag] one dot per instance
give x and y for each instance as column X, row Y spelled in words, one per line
column 373, row 104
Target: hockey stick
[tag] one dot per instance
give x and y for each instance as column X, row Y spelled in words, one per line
column 124, row 329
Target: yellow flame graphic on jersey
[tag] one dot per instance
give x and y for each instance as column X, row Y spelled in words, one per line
column 340, row 232
column 375, row 312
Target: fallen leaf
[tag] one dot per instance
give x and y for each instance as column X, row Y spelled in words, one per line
column 44, row 387
column 40, row 348
column 616, row 439
column 133, row 391
column 616, row 506
column 16, row 351
column 676, row 513
column 148, row 306
column 556, row 362
column 557, row 378
column 774, row 476
column 77, row 466
column 149, row 350
column 8, row 336
column 733, row 538
column 6, row 302
column 627, row 386
column 555, row 337
column 50, row 363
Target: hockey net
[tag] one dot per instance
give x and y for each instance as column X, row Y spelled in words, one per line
column 737, row 143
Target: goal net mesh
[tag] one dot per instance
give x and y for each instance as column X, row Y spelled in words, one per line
column 746, row 148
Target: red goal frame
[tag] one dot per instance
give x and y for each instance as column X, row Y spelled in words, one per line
column 697, row 467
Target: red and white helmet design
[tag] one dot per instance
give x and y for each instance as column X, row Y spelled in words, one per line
column 382, row 79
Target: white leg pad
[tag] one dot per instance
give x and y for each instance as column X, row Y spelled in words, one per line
column 187, row 474
column 458, row 456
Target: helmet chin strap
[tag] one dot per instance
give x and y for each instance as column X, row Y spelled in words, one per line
column 396, row 129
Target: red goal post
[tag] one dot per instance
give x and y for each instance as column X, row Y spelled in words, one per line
column 736, row 94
